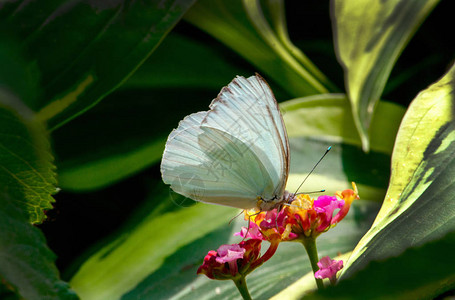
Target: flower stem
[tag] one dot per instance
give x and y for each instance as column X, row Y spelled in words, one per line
column 310, row 246
column 240, row 283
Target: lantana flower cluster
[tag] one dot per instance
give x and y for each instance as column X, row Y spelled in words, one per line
column 302, row 220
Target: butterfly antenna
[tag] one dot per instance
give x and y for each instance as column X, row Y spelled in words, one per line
column 322, row 157
column 313, row 192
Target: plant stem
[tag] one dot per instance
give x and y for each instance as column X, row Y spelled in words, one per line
column 240, row 283
column 310, row 246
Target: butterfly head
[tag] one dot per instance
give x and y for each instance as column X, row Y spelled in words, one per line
column 275, row 202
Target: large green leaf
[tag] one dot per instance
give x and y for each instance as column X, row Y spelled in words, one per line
column 85, row 49
column 26, row 171
column 244, row 27
column 26, row 168
column 27, row 181
column 369, row 37
column 419, row 205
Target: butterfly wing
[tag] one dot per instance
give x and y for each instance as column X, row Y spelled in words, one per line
column 233, row 153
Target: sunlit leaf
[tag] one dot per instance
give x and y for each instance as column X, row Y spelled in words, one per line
column 369, row 37
column 419, row 206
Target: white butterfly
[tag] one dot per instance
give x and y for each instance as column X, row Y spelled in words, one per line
column 236, row 154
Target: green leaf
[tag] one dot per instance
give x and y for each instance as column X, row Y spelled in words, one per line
column 27, row 181
column 26, row 169
column 85, row 49
column 244, row 27
column 369, row 37
column 419, row 205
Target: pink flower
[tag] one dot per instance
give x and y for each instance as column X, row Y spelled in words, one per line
column 253, row 232
column 328, row 268
column 325, row 206
column 228, row 253
column 232, row 261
